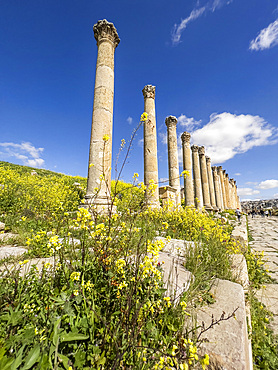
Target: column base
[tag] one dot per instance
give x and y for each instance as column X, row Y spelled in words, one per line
column 99, row 204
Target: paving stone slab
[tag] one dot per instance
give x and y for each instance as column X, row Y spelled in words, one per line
column 176, row 278
column 228, row 341
column 9, row 250
column 7, row 236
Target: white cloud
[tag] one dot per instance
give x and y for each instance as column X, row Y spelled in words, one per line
column 129, row 120
column 26, row 152
column 275, row 196
column 268, row 184
column 267, row 38
column 237, row 174
column 141, row 143
column 163, row 137
column 211, row 6
column 188, row 123
column 247, row 191
column 229, row 134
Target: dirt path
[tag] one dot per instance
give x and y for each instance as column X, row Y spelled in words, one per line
column 264, row 231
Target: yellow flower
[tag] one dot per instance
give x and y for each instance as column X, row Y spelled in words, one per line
column 144, row 117
column 75, row 292
column 105, row 138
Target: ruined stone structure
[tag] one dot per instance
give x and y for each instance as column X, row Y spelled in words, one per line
column 150, row 148
column 99, row 172
column 187, row 166
column 209, row 186
column 173, row 162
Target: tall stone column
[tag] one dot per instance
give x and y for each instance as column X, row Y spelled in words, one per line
column 187, row 166
column 220, row 173
column 234, row 197
column 173, row 161
column 99, row 172
column 227, row 189
column 150, row 148
column 211, row 184
column 197, row 177
column 204, row 178
column 216, row 182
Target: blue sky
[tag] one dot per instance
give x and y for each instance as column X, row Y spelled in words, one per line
column 214, row 64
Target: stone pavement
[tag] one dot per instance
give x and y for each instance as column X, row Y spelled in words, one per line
column 264, row 231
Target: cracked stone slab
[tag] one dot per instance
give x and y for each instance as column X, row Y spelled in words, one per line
column 228, row 341
column 7, row 236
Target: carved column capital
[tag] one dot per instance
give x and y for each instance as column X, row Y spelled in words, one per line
column 214, row 168
column 194, row 148
column 201, row 150
column 219, row 168
column 185, row 137
column 104, row 30
column 171, row 121
column 149, row 91
column 208, row 160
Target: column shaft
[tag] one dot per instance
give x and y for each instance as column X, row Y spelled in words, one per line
column 211, row 184
column 219, row 204
column 173, row 161
column 204, row 178
column 197, row 177
column 150, row 148
column 220, row 173
column 100, row 156
column 187, row 166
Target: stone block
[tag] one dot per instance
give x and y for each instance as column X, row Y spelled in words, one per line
column 9, row 251
column 2, row 226
column 228, row 343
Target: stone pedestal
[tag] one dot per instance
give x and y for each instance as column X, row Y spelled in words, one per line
column 150, row 149
column 197, row 177
column 216, row 182
column 187, row 166
column 220, row 173
column 173, row 161
column 204, row 178
column 168, row 196
column 98, row 192
column 211, row 185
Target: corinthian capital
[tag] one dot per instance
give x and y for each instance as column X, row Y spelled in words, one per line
column 208, row 160
column 201, row 150
column 194, row 148
column 149, row 91
column 171, row 121
column 104, row 30
column 185, row 137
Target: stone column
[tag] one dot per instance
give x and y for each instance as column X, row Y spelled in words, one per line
column 220, row 173
column 150, row 149
column 211, row 184
column 99, row 173
column 234, row 195
column 173, row 161
column 197, row 178
column 187, row 166
column 204, row 178
column 227, row 189
column 219, row 204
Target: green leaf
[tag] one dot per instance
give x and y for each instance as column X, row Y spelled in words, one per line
column 64, row 359
column 5, row 363
column 56, row 332
column 73, row 336
column 32, row 357
column 18, row 359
